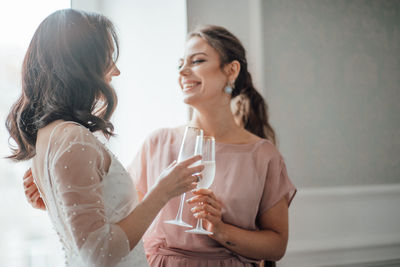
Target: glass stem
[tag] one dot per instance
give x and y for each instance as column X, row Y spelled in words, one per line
column 179, row 215
column 199, row 225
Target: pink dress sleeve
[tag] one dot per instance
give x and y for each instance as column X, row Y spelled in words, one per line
column 277, row 185
column 138, row 168
column 150, row 161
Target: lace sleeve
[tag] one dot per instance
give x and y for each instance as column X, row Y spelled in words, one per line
column 76, row 171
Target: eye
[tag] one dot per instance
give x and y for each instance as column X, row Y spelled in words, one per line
column 180, row 64
column 197, row 61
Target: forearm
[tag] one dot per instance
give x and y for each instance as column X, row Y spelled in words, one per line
column 137, row 222
column 263, row 244
column 173, row 181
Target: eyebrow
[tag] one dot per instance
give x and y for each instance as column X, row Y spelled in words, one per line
column 195, row 54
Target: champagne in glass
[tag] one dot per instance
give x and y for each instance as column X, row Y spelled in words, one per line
column 208, row 177
column 191, row 146
column 208, row 174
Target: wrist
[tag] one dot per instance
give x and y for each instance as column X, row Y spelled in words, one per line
column 225, row 236
column 221, row 232
column 158, row 195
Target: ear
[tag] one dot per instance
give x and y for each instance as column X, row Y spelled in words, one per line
column 232, row 70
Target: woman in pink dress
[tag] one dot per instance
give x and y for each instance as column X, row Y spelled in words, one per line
column 246, row 207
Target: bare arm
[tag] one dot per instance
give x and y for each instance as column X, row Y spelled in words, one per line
column 269, row 243
column 174, row 181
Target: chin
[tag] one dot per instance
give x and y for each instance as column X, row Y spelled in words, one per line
column 187, row 100
column 190, row 99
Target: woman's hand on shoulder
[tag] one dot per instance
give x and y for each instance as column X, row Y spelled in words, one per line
column 208, row 208
column 31, row 191
column 178, row 178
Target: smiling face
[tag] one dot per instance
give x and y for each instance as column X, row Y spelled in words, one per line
column 200, row 75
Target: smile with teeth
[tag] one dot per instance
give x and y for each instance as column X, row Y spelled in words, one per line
column 188, row 86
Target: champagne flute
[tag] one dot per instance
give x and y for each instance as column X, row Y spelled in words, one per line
column 191, row 145
column 208, row 161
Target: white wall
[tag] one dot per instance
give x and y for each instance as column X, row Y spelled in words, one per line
column 332, row 80
column 345, row 226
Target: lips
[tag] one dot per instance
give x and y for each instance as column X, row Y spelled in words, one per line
column 187, row 86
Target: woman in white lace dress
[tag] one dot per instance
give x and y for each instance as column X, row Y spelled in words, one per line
column 66, row 96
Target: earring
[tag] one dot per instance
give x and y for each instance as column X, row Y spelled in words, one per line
column 228, row 88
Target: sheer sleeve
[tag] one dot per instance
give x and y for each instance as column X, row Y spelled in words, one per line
column 277, row 184
column 77, row 165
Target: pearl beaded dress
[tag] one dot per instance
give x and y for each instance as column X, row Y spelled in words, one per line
column 87, row 192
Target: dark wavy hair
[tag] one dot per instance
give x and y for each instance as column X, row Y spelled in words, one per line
column 229, row 49
column 63, row 78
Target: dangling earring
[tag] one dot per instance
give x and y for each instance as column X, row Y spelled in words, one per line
column 228, row 88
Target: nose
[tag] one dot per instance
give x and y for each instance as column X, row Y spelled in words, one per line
column 116, row 71
column 184, row 70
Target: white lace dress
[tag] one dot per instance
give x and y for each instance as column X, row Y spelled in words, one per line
column 85, row 200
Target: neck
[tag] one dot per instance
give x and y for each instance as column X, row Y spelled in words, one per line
column 217, row 121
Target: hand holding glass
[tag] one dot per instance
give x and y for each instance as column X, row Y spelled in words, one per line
column 191, row 146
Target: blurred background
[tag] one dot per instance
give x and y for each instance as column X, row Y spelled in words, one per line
column 330, row 72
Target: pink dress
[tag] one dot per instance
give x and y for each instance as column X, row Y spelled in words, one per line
column 249, row 179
